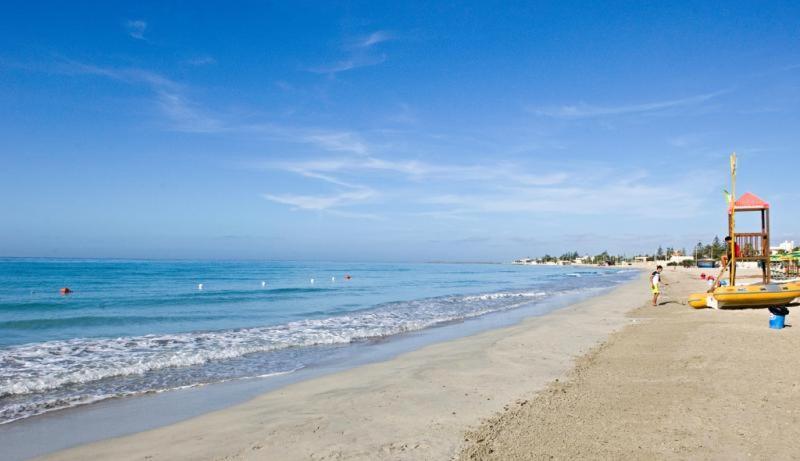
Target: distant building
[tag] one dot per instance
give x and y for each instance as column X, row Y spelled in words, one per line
column 526, row 261
column 678, row 259
column 787, row 246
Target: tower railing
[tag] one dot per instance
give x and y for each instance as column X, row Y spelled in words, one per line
column 752, row 246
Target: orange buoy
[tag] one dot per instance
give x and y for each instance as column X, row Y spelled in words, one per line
column 65, row 291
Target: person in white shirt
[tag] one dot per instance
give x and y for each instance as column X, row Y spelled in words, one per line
column 655, row 282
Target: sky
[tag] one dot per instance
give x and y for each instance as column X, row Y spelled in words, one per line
column 391, row 131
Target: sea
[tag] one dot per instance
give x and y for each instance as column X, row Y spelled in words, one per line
column 132, row 327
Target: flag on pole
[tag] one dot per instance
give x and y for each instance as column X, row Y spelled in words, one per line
column 728, row 196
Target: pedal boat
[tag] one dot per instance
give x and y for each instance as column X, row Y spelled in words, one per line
column 758, row 295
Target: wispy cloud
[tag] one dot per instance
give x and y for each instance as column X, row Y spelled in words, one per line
column 204, row 60
column 403, row 115
column 169, row 96
column 323, row 202
column 342, row 141
column 504, row 189
column 613, row 198
column 418, row 170
column 185, row 114
column 353, row 62
column 405, row 175
column 589, row 111
column 359, row 53
column 136, row 28
column 125, row 74
column 374, row 38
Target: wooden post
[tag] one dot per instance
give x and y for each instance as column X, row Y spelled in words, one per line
column 732, row 221
column 767, row 270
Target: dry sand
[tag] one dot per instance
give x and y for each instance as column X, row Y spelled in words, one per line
column 679, row 383
column 416, row 406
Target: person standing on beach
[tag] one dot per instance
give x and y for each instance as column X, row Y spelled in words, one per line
column 655, row 282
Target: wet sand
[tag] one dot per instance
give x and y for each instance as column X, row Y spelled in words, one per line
column 678, row 384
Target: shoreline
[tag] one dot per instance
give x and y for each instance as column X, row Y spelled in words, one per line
column 415, row 405
column 99, row 421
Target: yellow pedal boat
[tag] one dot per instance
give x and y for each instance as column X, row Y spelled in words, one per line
column 759, row 295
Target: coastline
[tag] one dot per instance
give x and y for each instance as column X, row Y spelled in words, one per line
column 414, row 406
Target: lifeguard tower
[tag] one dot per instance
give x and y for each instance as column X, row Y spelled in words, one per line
column 753, row 246
column 746, row 246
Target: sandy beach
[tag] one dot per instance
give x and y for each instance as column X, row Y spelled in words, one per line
column 678, row 383
column 610, row 377
column 417, row 406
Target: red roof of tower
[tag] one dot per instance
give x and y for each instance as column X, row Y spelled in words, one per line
column 750, row 201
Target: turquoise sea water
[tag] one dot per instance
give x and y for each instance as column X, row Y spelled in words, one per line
column 131, row 327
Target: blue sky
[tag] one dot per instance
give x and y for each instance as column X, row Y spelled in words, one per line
column 390, row 131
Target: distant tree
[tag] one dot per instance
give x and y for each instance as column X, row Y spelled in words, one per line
column 660, row 252
column 601, row 258
column 570, row 256
column 699, row 250
column 717, row 248
column 670, row 252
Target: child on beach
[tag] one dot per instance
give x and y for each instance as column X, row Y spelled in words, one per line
column 655, row 281
column 730, row 248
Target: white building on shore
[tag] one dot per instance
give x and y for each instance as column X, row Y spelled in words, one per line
column 679, row 259
column 787, row 246
column 526, row 261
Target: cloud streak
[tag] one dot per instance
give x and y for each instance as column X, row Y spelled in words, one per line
column 342, row 141
column 136, row 28
column 170, row 97
column 354, row 62
column 579, row 111
column 617, row 199
column 485, row 189
column 186, row 115
column 323, row 202
column 375, row 38
column 418, row 170
column 201, row 61
column 359, row 54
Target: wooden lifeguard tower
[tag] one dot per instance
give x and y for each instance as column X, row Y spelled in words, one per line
column 753, row 246
column 746, row 246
